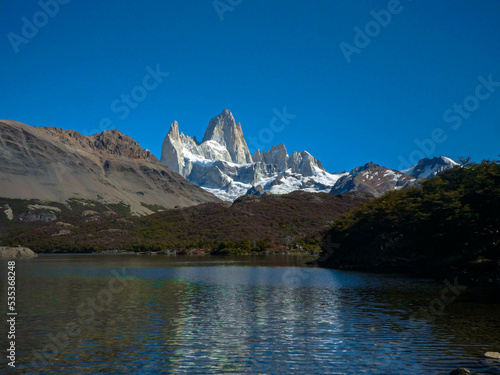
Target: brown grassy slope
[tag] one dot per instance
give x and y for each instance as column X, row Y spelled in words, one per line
column 279, row 222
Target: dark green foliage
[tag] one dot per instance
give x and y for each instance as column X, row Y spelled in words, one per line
column 451, row 219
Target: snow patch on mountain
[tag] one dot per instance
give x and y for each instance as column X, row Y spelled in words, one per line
column 374, row 179
column 427, row 168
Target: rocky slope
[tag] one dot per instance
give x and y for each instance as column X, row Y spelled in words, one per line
column 56, row 165
column 430, row 167
column 373, row 179
column 222, row 163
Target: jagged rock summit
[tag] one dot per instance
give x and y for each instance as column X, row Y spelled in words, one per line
column 222, row 163
column 227, row 133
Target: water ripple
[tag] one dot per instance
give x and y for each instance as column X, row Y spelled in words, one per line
column 243, row 320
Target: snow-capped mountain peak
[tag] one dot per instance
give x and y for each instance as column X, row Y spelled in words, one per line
column 430, row 167
column 224, row 130
column 374, row 179
column 222, row 163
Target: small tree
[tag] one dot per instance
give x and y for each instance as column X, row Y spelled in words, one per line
column 464, row 160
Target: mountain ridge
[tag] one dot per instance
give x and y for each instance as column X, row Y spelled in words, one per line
column 430, row 167
column 222, row 163
column 374, row 179
column 52, row 164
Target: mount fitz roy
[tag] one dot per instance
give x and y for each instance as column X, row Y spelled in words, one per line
column 222, row 164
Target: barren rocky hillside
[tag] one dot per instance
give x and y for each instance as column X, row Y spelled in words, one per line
column 56, row 165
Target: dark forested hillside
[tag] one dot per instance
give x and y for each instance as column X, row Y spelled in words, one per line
column 451, row 220
column 291, row 222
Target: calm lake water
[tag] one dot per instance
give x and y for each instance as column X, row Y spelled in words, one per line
column 130, row 314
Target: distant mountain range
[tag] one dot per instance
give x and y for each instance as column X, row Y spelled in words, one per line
column 51, row 169
column 221, row 164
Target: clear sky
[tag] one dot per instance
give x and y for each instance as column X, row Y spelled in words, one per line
column 366, row 80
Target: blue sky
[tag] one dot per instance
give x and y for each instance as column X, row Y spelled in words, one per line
column 394, row 99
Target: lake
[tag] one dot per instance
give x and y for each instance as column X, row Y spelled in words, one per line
column 144, row 314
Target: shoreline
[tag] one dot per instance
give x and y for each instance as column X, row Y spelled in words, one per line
column 465, row 275
column 178, row 252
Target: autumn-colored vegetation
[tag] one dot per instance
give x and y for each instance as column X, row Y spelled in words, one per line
column 292, row 222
